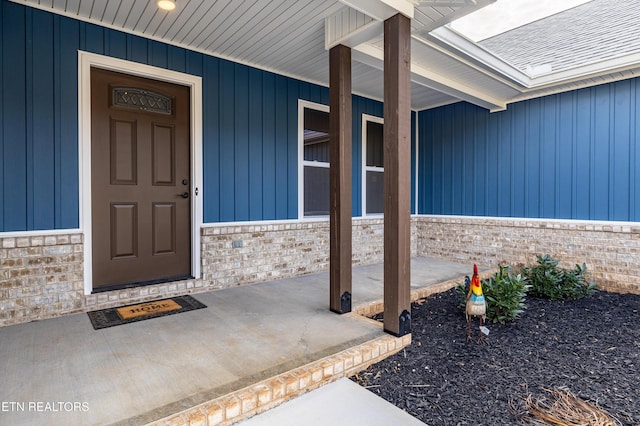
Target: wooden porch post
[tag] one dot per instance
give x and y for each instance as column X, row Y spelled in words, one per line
column 397, row 175
column 340, row 178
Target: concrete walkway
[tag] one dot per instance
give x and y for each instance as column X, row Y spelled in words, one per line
column 341, row 403
column 261, row 344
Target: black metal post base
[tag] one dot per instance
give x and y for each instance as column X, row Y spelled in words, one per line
column 405, row 325
column 345, row 303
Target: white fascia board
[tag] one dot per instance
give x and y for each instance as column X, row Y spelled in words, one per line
column 596, row 69
column 478, row 53
column 527, row 82
column 609, row 77
column 374, row 57
column 382, row 9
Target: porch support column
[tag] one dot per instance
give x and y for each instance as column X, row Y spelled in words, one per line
column 397, row 175
column 340, row 178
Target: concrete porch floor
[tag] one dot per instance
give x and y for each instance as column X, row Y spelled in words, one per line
column 252, row 348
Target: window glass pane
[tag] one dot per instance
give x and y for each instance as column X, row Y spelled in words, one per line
column 316, row 191
column 375, row 192
column 374, row 144
column 316, row 135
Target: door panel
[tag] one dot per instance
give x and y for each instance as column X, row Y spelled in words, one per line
column 140, row 170
column 163, row 155
column 124, row 229
column 164, row 228
column 123, row 153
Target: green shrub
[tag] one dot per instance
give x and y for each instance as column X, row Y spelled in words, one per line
column 549, row 281
column 505, row 294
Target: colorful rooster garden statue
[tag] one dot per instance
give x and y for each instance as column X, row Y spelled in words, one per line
column 476, row 305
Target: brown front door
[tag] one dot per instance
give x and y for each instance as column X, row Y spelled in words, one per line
column 140, row 188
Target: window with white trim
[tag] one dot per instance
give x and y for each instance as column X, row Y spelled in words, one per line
column 314, row 156
column 372, row 165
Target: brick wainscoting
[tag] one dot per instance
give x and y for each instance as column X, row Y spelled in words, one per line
column 41, row 276
column 250, row 253
column 610, row 249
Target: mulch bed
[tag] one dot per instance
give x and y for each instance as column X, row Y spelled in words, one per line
column 591, row 347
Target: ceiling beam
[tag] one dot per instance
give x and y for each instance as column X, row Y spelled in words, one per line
column 447, row 3
column 350, row 28
column 460, row 8
column 382, row 9
column 373, row 56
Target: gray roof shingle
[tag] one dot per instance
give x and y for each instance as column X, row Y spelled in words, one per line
column 591, row 32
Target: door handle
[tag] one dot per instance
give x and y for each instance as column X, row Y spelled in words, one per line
column 184, row 195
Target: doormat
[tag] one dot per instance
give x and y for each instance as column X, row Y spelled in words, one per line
column 110, row 317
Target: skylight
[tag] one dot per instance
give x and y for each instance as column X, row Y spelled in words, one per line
column 504, row 15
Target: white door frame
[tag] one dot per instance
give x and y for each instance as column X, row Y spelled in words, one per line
column 87, row 60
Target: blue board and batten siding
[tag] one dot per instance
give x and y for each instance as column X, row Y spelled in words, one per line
column 250, row 123
column 39, row 151
column 574, row 155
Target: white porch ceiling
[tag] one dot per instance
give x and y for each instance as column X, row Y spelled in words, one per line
column 290, row 37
